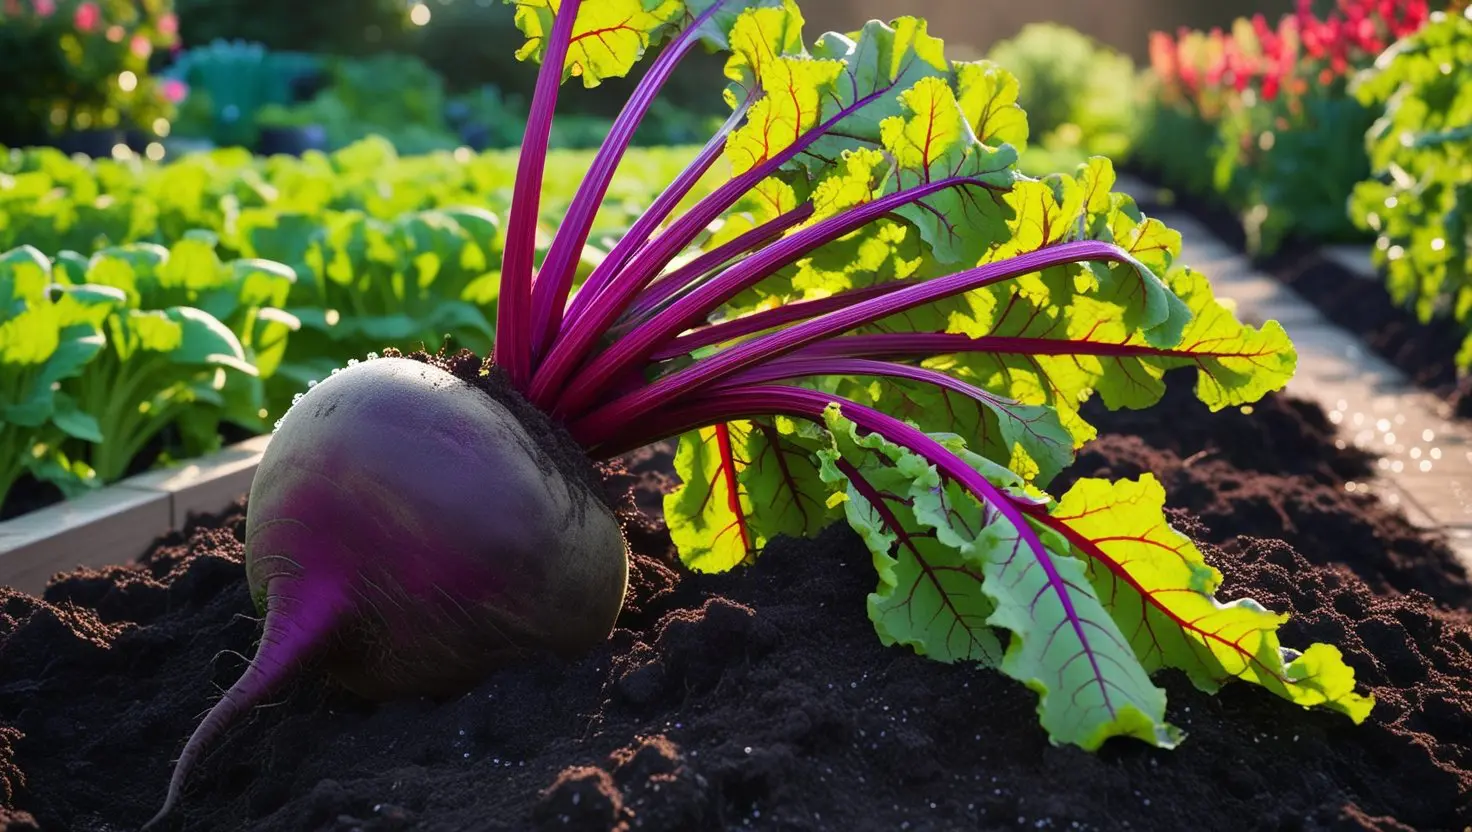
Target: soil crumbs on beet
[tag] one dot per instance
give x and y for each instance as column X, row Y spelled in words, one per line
column 764, row 699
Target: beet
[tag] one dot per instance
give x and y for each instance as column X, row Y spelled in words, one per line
column 407, row 530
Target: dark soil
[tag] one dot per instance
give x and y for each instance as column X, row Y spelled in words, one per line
column 764, row 700
column 1425, row 352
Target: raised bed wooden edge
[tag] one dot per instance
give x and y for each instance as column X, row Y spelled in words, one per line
column 117, row 523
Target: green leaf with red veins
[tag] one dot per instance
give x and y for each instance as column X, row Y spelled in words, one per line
column 1063, row 208
column 796, row 89
column 1030, row 439
column 770, row 199
column 935, row 141
column 1162, row 593
column 774, row 196
column 1096, row 179
column 880, row 61
column 1236, row 364
column 987, row 94
column 609, row 37
column 1021, row 375
column 743, row 483
column 756, row 35
column 879, row 253
column 855, row 178
column 928, row 598
column 1063, row 643
column 1043, row 356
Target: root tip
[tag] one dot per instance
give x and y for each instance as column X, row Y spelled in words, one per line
column 162, row 813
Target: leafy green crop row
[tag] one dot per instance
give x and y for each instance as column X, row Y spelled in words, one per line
column 99, row 355
column 55, row 202
column 385, row 249
column 1418, row 201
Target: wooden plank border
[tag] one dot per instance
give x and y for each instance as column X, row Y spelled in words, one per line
column 117, row 523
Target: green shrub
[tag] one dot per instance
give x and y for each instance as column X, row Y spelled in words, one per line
column 1078, row 94
column 339, row 27
column 74, row 65
column 1418, row 200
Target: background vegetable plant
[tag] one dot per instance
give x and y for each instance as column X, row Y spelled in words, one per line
column 48, row 334
column 386, row 249
column 1418, row 200
column 360, row 283
column 226, row 84
column 133, row 355
column 55, row 202
column 875, row 313
column 167, row 362
column 367, row 248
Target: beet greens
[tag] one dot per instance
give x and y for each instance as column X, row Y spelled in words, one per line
column 876, row 317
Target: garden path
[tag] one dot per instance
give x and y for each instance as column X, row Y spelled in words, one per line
column 1425, row 462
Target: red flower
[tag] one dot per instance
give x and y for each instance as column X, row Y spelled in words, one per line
column 1163, row 56
column 87, row 17
column 175, row 90
column 1270, row 86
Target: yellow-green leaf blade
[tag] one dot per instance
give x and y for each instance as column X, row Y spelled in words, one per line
column 1161, row 591
column 608, row 38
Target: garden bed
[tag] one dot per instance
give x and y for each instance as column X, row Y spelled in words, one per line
column 763, row 699
column 1426, row 353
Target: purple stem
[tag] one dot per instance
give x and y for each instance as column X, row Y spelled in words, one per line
column 670, row 285
column 770, row 318
column 513, row 348
column 640, row 343
column 931, row 344
column 609, row 419
column 644, row 227
column 796, row 367
column 554, row 279
column 575, row 342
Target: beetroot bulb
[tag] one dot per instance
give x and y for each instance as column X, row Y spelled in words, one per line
column 406, row 530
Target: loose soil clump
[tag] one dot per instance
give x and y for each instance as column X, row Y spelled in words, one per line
column 764, row 700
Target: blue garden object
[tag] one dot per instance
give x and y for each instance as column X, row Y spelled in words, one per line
column 237, row 78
